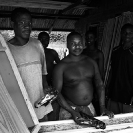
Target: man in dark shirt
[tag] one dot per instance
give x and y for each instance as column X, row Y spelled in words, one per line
column 121, row 74
column 51, row 55
column 52, row 59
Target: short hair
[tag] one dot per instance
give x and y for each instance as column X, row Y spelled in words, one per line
column 128, row 25
column 17, row 12
column 73, row 34
column 41, row 34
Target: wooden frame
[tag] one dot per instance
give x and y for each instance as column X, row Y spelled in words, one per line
column 15, row 87
column 12, row 118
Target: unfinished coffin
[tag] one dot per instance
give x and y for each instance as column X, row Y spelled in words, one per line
column 121, row 122
column 14, row 86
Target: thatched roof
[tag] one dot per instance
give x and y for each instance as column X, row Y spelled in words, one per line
column 61, row 15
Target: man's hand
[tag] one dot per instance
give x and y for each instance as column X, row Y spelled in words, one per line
column 47, row 89
column 104, row 111
column 85, row 119
column 76, row 116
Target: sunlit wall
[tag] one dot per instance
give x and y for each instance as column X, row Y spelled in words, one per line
column 57, row 40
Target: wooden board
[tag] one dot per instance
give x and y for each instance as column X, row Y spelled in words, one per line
column 10, row 119
column 14, row 85
column 119, row 123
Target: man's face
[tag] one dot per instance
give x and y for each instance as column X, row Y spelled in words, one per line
column 90, row 39
column 23, row 26
column 127, row 36
column 75, row 45
column 44, row 40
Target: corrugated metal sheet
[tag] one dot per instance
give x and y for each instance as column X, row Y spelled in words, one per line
column 44, row 18
column 61, row 19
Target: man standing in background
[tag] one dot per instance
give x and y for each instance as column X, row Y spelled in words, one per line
column 52, row 59
column 120, row 82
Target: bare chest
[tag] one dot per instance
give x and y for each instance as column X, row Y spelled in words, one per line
column 79, row 71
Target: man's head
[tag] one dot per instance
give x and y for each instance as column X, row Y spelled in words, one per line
column 75, row 43
column 90, row 37
column 22, row 22
column 127, row 35
column 44, row 38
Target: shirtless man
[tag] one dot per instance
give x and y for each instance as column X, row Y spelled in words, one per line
column 73, row 78
column 92, row 51
column 51, row 55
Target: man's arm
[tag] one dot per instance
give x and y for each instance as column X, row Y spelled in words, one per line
column 46, row 88
column 101, row 92
column 58, row 84
column 100, row 89
column 101, row 64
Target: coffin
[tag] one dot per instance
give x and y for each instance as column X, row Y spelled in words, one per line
column 121, row 123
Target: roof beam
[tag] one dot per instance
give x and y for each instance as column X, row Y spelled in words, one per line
column 7, row 14
column 49, row 4
column 60, row 16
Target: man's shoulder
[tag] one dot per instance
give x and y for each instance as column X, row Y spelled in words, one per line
column 64, row 61
column 60, row 66
column 34, row 40
column 52, row 51
column 115, row 52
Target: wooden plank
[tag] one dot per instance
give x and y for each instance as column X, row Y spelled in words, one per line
column 10, row 119
column 71, row 121
column 116, row 127
column 15, row 86
column 36, row 129
column 109, row 128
